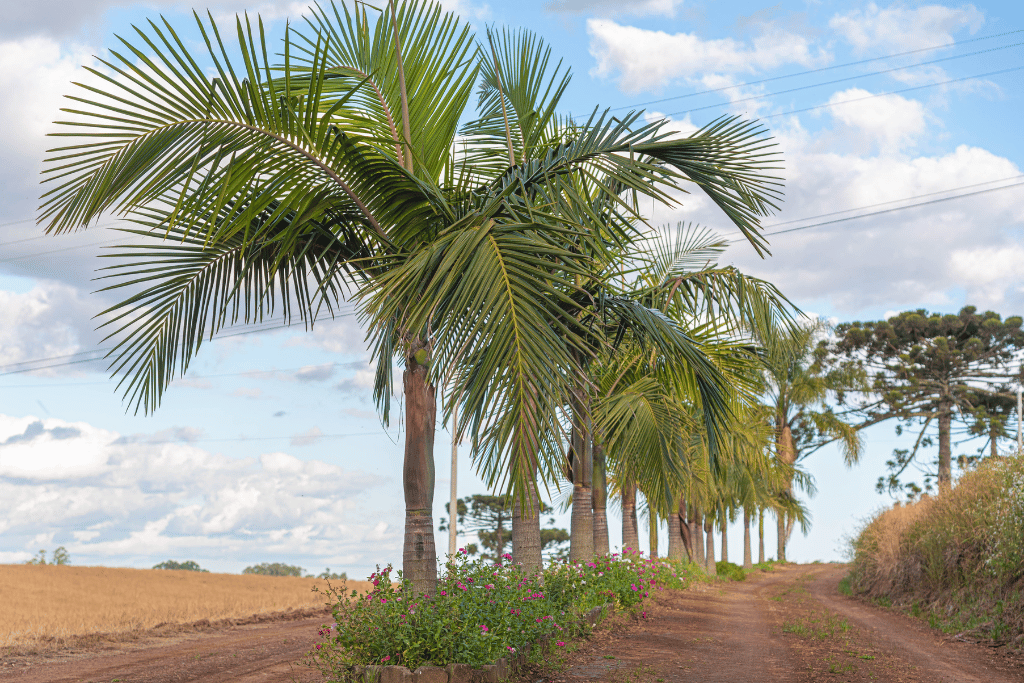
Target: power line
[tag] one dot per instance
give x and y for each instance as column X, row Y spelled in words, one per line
column 882, row 94
column 254, row 438
column 885, row 211
column 838, row 80
column 44, row 236
column 891, row 201
column 104, row 350
column 819, row 70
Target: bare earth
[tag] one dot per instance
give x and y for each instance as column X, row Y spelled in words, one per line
column 787, row 625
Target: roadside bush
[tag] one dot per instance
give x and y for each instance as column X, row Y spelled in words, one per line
column 958, row 557
column 730, row 571
column 481, row 611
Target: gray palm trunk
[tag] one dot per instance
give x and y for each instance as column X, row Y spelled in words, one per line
column 599, row 496
column 526, row 546
column 419, row 556
column 747, row 559
column 697, row 534
column 725, row 540
column 630, row 531
column 787, row 454
column 676, row 546
column 760, row 536
column 581, row 532
column 652, row 532
column 709, row 559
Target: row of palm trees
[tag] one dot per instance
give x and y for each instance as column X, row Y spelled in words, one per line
column 496, row 252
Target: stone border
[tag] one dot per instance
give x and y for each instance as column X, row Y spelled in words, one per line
column 463, row 673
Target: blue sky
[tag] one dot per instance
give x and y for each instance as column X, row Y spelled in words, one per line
column 270, row 449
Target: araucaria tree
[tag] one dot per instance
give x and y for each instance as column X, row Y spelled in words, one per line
column 275, row 179
column 927, row 370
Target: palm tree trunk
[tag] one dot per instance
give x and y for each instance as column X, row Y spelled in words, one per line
column 630, row 532
column 709, row 560
column 697, row 534
column 676, row 549
column 945, row 452
column 581, row 533
column 781, row 543
column 787, row 454
column 725, row 539
column 760, row 536
column 526, row 548
column 652, row 531
column 747, row 559
column 419, row 557
column 600, row 502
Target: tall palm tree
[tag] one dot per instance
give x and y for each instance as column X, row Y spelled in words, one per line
column 797, row 392
column 280, row 186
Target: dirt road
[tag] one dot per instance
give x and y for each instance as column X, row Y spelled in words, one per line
column 787, row 625
column 257, row 653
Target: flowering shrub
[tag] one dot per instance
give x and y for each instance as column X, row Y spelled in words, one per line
column 481, row 612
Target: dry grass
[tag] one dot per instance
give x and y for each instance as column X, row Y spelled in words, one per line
column 52, row 606
column 956, row 559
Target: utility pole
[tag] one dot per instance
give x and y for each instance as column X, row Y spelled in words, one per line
column 453, row 506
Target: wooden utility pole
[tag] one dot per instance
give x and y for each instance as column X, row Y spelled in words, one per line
column 453, row 506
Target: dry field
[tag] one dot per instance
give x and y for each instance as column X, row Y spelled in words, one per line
column 47, row 607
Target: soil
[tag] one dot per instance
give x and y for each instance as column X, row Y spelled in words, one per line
column 790, row 624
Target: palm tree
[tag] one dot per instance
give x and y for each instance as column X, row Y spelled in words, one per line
column 280, row 187
column 797, row 391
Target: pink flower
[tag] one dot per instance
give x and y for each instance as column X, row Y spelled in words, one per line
column 386, row 659
column 383, row 599
column 510, row 648
column 559, row 643
column 484, row 628
column 318, row 646
column 443, row 593
column 489, row 586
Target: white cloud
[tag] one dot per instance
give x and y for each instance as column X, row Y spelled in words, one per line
column 991, row 274
column 315, row 373
column 650, row 60
column 900, row 29
column 930, row 256
column 606, row 8
column 48, row 320
column 102, row 496
column 891, row 122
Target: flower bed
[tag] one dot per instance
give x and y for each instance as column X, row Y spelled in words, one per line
column 481, row 614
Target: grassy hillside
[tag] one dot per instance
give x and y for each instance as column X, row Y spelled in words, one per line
column 955, row 559
column 49, row 606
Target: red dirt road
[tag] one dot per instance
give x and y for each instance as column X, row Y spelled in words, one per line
column 258, row 653
column 787, row 625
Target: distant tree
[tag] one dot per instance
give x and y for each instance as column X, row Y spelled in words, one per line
column 928, row 370
column 489, row 517
column 60, row 557
column 274, row 569
column 328, row 574
column 187, row 565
